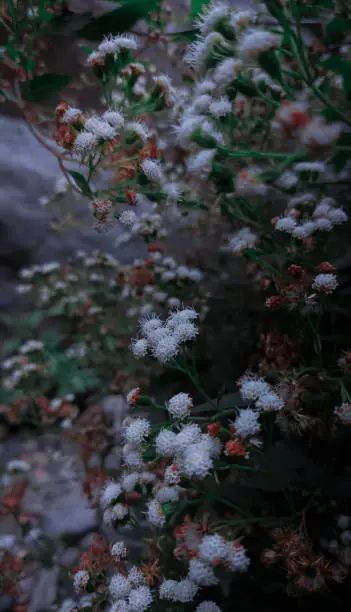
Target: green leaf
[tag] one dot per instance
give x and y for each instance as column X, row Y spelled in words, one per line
column 119, row 20
column 270, row 64
column 82, row 183
column 43, row 87
column 339, row 25
column 197, row 6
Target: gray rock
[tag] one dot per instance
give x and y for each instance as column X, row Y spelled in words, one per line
column 45, row 591
column 69, row 516
column 69, row 556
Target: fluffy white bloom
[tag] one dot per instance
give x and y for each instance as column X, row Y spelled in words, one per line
column 319, row 134
column 49, row 267
column 181, row 316
column 186, row 591
column 269, row 401
column 255, row 41
column 165, row 443
column 212, row 16
column 139, row 347
column 288, row 179
column 197, row 461
column 200, row 573
column 152, row 171
column 126, row 41
column 310, row 167
column 246, row 423
column 239, row 561
column 304, row 230
column 241, row 19
column 149, row 325
column 323, row 224
column 172, row 475
column 208, row 129
column 71, row 115
column 80, row 580
column 168, row 91
column 226, row 71
column 166, row 349
column 31, row 346
column 188, row 435
column 108, row 46
column 110, row 493
column 136, row 577
column 252, row 387
column 129, row 481
column 325, row 283
column 202, row 103
column 167, row 494
column 114, row 118
column 132, row 458
column 186, row 128
column 133, row 395
column 119, row 586
column 128, row 218
column 120, row 511
column 201, row 164
column 214, row 548
column 337, row 216
column 138, row 129
column 179, row 405
column 120, row 606
column 119, row 550
column 85, row 144
column 205, row 86
column 101, row 129
column 212, row 444
column 208, row 606
column 174, row 193
column 221, row 107
column 155, row 515
column 243, row 239
column 185, row 331
column 137, row 431
column 140, row 599
column 168, row 589
column 286, row 224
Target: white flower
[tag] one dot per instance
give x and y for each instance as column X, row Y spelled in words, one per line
column 166, row 349
column 101, row 129
column 140, row 599
column 129, row 481
column 85, row 144
column 133, row 395
column 269, row 401
column 23, row 288
column 167, row 494
column 246, row 423
column 185, row 130
column 201, row 103
column 337, row 216
column 214, row 548
column 248, row 185
column 252, row 387
column 179, row 405
column 288, row 179
column 71, row 114
column 119, row 586
column 128, row 217
column 155, row 515
column 17, row 465
column 208, row 606
column 186, row 591
column 188, row 435
column 212, row 444
column 137, row 431
column 120, row 606
column 139, row 348
column 226, row 71
column 208, row 129
column 114, row 118
column 165, row 443
column 108, row 46
column 201, row 164
column 181, row 316
column 304, row 230
column 120, row 511
column 317, row 133
column 239, row 561
column 241, row 19
column 119, row 550
column 201, row 574
column 323, row 224
column 80, row 580
column 197, row 461
column 285, row 224
column 174, row 193
column 136, row 577
column 185, row 331
column 168, row 589
column 168, row 91
column 31, row 346
column 325, row 283
column 221, row 107
column 152, row 171
column 138, row 129
column 310, row 167
column 255, row 41
column 132, row 458
column 149, row 325
column 212, row 16
column 126, row 41
column 172, row 475
column 243, row 239
column 110, row 493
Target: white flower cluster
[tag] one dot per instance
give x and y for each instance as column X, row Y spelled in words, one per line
column 255, row 390
column 163, row 340
column 213, row 550
column 112, row 45
column 179, row 406
column 97, row 130
column 130, row 594
column 243, row 239
column 111, row 503
column 301, row 221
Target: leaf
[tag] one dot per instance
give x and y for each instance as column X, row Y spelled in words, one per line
column 197, row 7
column 227, row 401
column 66, row 25
column 339, row 25
column 119, row 20
column 270, row 64
column 43, row 87
column 81, row 182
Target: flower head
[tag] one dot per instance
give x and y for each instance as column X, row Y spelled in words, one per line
column 325, row 283
column 179, row 405
column 140, row 599
column 247, row 423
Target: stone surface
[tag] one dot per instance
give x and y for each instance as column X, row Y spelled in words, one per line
column 45, row 590
column 70, row 516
